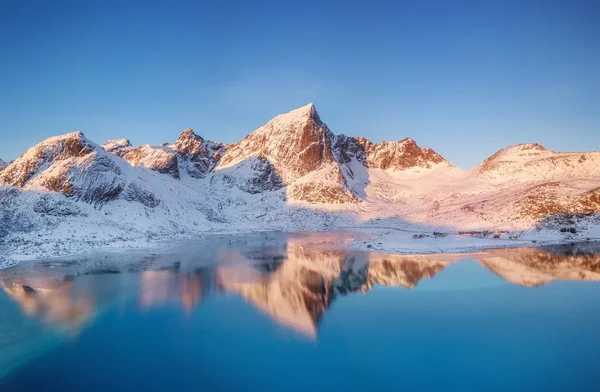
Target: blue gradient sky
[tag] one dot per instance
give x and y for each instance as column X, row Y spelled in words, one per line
column 463, row 77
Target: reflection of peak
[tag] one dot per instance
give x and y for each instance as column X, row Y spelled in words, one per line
column 297, row 293
column 52, row 301
column 300, row 291
column 294, row 284
column 535, row 266
column 298, row 304
column 387, row 270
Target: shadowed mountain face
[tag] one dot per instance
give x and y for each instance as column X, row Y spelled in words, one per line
column 293, row 283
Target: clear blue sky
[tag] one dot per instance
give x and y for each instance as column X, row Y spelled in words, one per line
column 463, row 77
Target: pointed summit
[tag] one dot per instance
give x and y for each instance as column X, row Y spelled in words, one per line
column 307, row 110
column 301, row 115
column 190, row 143
column 296, row 142
column 189, row 133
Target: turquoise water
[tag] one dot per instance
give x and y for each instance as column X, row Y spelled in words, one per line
column 277, row 314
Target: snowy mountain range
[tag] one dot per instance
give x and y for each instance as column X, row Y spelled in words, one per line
column 291, row 173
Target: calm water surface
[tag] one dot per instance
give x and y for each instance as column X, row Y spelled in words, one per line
column 275, row 312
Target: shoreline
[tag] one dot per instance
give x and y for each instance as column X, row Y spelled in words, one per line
column 365, row 239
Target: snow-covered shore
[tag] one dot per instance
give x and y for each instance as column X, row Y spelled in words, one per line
column 398, row 239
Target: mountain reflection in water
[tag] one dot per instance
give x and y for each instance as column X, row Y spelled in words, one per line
column 287, row 278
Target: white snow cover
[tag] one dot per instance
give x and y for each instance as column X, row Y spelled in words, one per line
column 68, row 193
column 116, row 144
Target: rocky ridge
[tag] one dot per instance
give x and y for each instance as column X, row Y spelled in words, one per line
column 291, row 173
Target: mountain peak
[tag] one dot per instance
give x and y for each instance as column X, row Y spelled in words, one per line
column 190, row 143
column 309, row 109
column 526, row 147
column 189, row 133
column 403, row 154
column 517, row 152
column 76, row 135
column 300, row 115
column 58, row 148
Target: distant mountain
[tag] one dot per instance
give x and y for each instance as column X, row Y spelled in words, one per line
column 291, row 173
column 3, row 165
column 529, row 162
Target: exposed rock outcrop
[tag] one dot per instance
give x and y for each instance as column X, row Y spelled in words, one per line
column 74, row 166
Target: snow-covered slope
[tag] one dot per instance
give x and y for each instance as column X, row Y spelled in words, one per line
column 529, row 162
column 291, row 173
column 77, row 168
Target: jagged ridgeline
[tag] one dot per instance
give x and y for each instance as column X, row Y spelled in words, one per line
column 292, row 172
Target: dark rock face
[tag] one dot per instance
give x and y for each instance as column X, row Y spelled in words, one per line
column 48, row 206
column 253, row 175
column 347, row 148
column 196, row 155
column 266, row 179
column 134, row 192
column 12, row 217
